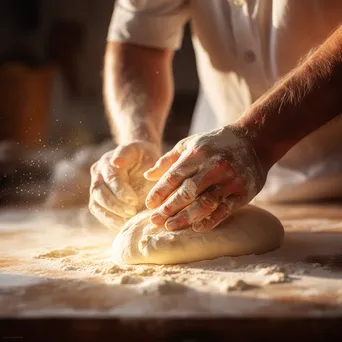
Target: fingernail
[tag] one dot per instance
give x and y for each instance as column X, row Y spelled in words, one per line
column 171, row 225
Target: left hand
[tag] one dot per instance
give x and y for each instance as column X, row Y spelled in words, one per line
column 203, row 179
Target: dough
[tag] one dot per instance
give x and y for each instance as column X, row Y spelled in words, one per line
column 250, row 230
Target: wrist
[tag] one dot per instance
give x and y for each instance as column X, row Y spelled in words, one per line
column 264, row 146
column 139, row 131
column 257, row 155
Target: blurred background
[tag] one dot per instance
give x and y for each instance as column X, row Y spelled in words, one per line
column 52, row 121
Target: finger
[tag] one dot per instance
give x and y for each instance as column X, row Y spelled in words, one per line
column 223, row 211
column 106, row 199
column 204, row 205
column 192, row 188
column 162, row 165
column 124, row 156
column 108, row 219
column 186, row 193
column 184, row 168
column 118, row 182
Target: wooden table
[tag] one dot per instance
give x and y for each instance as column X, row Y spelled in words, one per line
column 80, row 286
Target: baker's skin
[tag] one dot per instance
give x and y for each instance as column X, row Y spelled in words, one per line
column 205, row 177
column 137, row 103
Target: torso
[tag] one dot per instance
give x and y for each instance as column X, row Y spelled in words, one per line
column 244, row 47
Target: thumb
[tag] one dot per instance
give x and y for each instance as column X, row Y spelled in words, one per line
column 162, row 165
column 124, row 156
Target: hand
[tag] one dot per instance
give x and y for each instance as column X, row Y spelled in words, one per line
column 118, row 188
column 203, row 179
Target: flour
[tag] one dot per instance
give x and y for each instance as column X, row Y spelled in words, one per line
column 277, row 278
column 238, row 285
column 51, row 266
column 58, row 253
column 188, row 189
column 225, row 151
column 230, row 144
column 271, row 270
column 158, row 286
column 130, row 280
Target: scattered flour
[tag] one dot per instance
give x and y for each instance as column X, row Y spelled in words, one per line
column 130, row 280
column 238, row 285
column 275, row 275
column 277, row 278
column 65, row 269
column 58, row 253
column 161, row 287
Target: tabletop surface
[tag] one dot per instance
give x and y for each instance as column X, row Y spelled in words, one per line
column 58, row 264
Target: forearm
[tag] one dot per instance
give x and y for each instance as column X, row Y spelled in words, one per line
column 138, row 91
column 304, row 100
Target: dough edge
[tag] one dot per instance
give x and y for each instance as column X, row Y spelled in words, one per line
column 250, row 230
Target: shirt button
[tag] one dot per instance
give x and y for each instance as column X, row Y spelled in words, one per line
column 249, row 56
column 239, row 3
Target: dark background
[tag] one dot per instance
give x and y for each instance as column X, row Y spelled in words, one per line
column 52, row 121
column 51, row 60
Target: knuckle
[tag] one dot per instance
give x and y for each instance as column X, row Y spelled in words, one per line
column 155, row 195
column 197, row 149
column 112, row 178
column 208, row 202
column 181, row 145
column 172, row 179
column 179, row 198
column 188, row 190
column 202, row 146
column 227, row 206
column 186, row 194
column 213, row 221
column 167, row 209
column 185, row 218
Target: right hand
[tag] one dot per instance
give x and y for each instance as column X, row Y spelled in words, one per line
column 204, row 179
column 118, row 188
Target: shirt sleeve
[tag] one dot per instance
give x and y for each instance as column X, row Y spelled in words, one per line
column 152, row 23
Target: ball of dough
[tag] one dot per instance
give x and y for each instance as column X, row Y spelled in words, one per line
column 250, row 230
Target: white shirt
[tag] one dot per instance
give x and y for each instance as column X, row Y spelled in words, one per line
column 242, row 48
